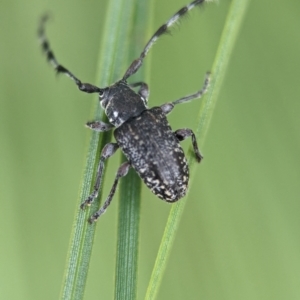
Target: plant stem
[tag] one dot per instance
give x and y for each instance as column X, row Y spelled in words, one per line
column 111, row 60
column 232, row 26
column 130, row 186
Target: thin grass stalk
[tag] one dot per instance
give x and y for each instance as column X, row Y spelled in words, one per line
column 111, row 56
column 235, row 16
column 130, row 186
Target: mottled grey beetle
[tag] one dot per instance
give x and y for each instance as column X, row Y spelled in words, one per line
column 144, row 135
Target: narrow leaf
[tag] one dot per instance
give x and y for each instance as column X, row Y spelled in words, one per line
column 111, row 56
column 232, row 26
column 130, row 186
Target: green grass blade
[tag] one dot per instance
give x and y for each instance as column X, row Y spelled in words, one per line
column 232, row 26
column 111, row 58
column 130, row 186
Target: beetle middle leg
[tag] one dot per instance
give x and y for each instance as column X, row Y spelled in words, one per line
column 108, row 150
column 182, row 134
column 122, row 171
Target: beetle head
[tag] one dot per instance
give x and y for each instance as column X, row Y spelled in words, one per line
column 121, row 103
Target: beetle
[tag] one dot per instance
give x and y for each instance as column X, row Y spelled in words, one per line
column 143, row 134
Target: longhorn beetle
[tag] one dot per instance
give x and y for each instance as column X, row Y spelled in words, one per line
column 144, row 135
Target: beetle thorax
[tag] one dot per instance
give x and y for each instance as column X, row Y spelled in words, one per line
column 121, row 103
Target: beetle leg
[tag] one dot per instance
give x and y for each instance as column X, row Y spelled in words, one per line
column 99, row 126
column 84, row 87
column 199, row 94
column 122, row 171
column 108, row 150
column 143, row 90
column 182, row 134
column 168, row 107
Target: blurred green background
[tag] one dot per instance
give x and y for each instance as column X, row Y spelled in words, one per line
column 239, row 235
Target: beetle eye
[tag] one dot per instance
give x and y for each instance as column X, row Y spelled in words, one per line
column 101, row 94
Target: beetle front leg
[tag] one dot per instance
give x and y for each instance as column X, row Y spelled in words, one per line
column 99, row 126
column 143, row 90
column 108, row 150
column 168, row 107
column 122, row 171
column 182, row 134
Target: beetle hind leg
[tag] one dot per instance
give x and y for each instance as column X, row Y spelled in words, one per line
column 108, row 150
column 182, row 134
column 122, row 171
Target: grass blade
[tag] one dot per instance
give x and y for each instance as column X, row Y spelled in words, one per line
column 233, row 23
column 111, row 61
column 130, row 186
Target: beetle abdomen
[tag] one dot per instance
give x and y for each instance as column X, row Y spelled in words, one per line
column 155, row 153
